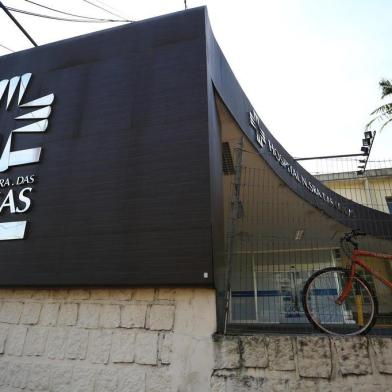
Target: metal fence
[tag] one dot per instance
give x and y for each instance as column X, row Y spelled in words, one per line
column 373, row 188
column 275, row 240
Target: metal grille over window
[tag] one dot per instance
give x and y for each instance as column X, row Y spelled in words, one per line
column 227, row 159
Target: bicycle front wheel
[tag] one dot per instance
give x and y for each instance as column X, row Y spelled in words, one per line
column 355, row 316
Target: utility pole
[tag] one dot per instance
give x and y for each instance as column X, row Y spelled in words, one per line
column 17, row 24
column 236, row 213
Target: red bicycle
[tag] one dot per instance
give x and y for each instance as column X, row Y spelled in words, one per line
column 339, row 301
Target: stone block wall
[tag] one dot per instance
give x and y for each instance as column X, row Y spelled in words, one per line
column 163, row 340
column 302, row 363
column 106, row 340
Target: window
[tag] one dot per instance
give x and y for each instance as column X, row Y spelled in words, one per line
column 389, row 203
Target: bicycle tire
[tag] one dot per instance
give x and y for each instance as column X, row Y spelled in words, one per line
column 337, row 319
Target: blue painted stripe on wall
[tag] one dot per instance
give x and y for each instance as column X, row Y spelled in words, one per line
column 277, row 293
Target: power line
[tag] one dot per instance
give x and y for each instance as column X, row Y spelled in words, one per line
column 68, row 13
column 58, row 18
column 110, row 8
column 3, row 46
column 5, row 9
column 105, row 9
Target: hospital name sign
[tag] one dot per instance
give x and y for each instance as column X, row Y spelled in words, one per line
column 301, row 178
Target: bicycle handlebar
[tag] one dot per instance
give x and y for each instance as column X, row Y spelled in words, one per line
column 350, row 236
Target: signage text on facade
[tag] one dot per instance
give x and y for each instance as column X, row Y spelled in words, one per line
column 293, row 169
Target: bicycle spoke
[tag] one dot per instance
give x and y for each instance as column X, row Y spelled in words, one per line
column 354, row 316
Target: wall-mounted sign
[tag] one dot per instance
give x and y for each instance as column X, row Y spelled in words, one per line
column 293, row 169
column 119, row 191
column 15, row 191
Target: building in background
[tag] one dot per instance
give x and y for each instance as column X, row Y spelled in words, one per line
column 372, row 189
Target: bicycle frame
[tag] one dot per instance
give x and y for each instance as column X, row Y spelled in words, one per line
column 355, row 260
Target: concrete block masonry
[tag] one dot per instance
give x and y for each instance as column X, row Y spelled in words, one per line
column 163, row 340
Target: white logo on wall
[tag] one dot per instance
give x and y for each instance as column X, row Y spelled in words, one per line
column 16, row 201
column 255, row 122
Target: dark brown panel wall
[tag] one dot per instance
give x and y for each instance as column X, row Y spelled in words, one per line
column 122, row 192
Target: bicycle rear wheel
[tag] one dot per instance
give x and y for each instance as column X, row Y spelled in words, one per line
column 355, row 316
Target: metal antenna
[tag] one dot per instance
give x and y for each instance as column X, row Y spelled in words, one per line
column 17, row 24
column 236, row 213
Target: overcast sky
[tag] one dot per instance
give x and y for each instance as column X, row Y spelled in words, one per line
column 310, row 68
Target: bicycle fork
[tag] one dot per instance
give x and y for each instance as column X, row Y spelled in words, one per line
column 358, row 298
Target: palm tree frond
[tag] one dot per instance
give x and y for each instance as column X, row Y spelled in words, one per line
column 385, row 109
column 386, row 87
column 385, row 124
column 383, row 114
column 378, row 118
column 370, row 123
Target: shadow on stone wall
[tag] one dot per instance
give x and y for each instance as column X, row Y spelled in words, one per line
column 302, row 363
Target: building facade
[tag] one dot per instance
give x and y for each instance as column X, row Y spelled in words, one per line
column 155, row 236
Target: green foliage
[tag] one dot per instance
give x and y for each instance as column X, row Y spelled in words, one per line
column 383, row 114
